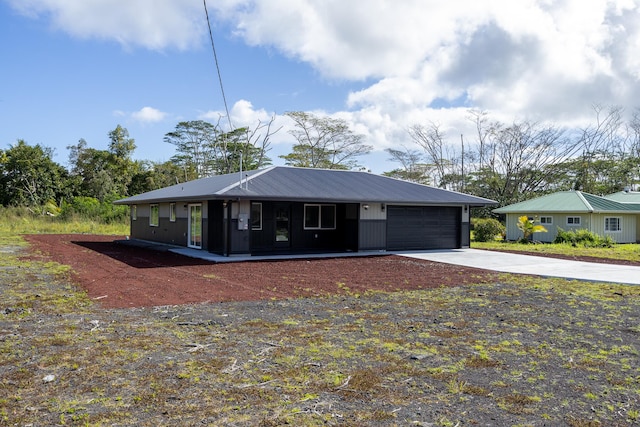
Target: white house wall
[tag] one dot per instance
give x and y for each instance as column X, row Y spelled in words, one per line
column 372, row 211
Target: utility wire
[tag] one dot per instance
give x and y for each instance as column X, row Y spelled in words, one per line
column 215, row 57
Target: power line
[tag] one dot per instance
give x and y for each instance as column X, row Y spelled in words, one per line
column 215, row 57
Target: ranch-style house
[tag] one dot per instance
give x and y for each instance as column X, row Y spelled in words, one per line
column 616, row 215
column 287, row 210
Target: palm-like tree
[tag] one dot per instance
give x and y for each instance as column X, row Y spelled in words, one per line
column 528, row 227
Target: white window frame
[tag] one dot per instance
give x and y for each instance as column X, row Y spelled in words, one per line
column 319, row 226
column 253, row 226
column 152, row 207
column 134, row 212
column 192, row 241
column 172, row 212
column 546, row 220
column 607, row 224
column 574, row 222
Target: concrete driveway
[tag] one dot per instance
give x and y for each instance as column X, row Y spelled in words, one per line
column 527, row 264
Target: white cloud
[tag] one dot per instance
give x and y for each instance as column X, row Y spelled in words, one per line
column 153, row 24
column 148, row 115
column 421, row 60
column 531, row 58
column 244, row 115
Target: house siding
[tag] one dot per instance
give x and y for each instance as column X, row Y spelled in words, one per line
column 372, row 230
column 593, row 222
column 343, row 238
column 626, row 235
column 173, row 233
column 372, row 235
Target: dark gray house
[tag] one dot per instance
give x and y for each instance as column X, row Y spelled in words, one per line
column 298, row 210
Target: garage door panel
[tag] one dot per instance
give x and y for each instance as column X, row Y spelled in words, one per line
column 423, row 227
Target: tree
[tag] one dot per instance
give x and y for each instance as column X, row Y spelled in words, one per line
column 412, row 166
column 29, row 176
column 120, row 145
column 153, row 176
column 438, row 153
column 194, row 142
column 90, row 167
column 104, row 174
column 204, row 149
column 324, row 142
column 121, row 166
column 528, row 227
column 238, row 145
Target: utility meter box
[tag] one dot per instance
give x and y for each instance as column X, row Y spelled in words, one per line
column 243, row 221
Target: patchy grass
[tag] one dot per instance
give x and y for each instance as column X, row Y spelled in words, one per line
column 627, row 252
column 14, row 222
column 522, row 351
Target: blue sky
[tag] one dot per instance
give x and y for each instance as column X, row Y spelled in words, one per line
column 74, row 69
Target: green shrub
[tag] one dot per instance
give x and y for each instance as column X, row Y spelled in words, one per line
column 91, row 208
column 486, row 229
column 583, row 237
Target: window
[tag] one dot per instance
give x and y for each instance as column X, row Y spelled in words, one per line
column 172, row 212
column 319, row 217
column 573, row 220
column 154, row 215
column 612, row 224
column 256, row 216
column 546, row 220
column 134, row 212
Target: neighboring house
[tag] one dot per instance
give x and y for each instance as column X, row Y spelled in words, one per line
column 298, row 210
column 626, row 196
column 572, row 210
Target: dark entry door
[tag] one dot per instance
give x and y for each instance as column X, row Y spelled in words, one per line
column 423, row 227
column 282, row 220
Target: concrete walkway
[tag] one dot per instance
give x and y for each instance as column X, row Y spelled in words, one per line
column 527, row 264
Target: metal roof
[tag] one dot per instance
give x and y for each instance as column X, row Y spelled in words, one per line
column 568, row 201
column 306, row 184
column 625, row 197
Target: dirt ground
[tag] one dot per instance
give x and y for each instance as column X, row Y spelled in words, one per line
column 120, row 276
column 499, row 351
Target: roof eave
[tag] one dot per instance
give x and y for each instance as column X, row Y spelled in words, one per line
column 130, row 201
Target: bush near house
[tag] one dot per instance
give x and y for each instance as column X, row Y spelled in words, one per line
column 487, row 229
column 583, row 237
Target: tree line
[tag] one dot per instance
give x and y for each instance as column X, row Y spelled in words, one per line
column 94, row 178
column 512, row 162
column 504, row 162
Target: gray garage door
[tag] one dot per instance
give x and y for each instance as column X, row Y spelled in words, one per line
column 422, row 227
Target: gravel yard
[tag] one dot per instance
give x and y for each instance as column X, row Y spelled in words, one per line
column 137, row 337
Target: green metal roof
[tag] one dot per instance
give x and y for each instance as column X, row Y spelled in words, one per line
column 625, row 197
column 568, row 201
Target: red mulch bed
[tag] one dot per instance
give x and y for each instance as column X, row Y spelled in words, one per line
column 120, row 275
